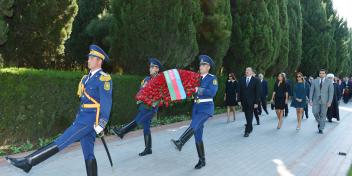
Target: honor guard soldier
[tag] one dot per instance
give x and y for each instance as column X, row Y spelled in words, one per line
column 203, row 109
column 95, row 93
column 145, row 113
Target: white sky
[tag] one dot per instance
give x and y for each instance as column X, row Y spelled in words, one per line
column 344, row 9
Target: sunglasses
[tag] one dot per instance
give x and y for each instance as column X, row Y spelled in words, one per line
column 299, row 76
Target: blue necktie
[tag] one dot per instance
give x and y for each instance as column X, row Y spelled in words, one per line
column 89, row 75
column 247, row 82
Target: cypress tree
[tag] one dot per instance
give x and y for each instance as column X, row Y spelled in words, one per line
column 41, row 27
column 76, row 47
column 295, row 35
column 154, row 28
column 215, row 29
column 316, row 37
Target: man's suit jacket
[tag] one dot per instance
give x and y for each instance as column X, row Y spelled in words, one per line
column 249, row 95
column 264, row 91
column 323, row 95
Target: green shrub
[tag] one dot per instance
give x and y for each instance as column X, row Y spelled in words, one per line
column 40, row 104
column 37, row 103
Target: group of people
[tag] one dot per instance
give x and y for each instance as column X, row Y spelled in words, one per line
column 251, row 92
column 345, row 88
column 95, row 94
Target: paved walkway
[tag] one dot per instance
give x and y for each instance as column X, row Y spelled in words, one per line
column 266, row 152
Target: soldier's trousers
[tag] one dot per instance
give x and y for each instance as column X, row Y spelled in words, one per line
column 197, row 124
column 78, row 132
column 144, row 118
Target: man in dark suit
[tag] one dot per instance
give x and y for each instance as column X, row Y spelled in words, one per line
column 264, row 94
column 290, row 93
column 249, row 96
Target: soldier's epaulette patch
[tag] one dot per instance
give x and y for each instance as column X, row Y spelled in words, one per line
column 107, row 86
column 105, row 77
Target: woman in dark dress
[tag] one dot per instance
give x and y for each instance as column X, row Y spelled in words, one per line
column 300, row 96
column 338, row 82
column 333, row 110
column 231, row 96
column 280, row 97
column 346, row 90
column 340, row 86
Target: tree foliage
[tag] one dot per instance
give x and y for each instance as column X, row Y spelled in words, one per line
column 37, row 32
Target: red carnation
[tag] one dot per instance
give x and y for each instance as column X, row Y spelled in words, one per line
column 156, row 89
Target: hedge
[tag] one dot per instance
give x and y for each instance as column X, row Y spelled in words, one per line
column 42, row 103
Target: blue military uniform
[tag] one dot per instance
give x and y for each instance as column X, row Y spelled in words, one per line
column 145, row 113
column 144, row 116
column 98, row 91
column 203, row 109
column 95, row 93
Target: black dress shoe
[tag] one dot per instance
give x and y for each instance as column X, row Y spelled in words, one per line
column 20, row 163
column 35, row 158
column 200, row 164
column 178, row 144
column 120, row 132
column 330, row 120
column 183, row 139
column 147, row 151
column 321, row 132
column 246, row 135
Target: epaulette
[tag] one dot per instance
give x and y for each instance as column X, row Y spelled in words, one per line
column 104, row 76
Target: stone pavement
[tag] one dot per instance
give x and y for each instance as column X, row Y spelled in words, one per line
column 266, row 152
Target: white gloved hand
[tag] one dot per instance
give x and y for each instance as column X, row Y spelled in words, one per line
column 98, row 129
